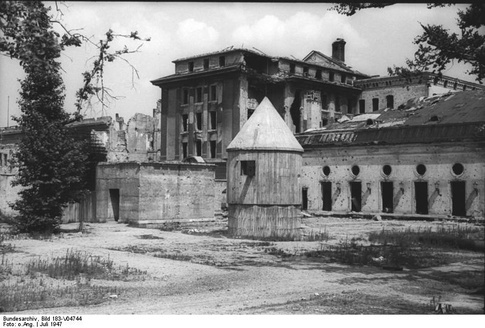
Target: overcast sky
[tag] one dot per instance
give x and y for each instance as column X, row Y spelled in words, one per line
column 376, row 39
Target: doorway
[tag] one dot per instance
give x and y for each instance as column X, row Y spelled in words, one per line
column 304, row 198
column 327, row 196
column 387, row 190
column 356, row 196
column 114, row 195
column 421, row 197
column 458, row 195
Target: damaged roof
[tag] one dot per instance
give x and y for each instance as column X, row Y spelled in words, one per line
column 265, row 130
column 450, row 117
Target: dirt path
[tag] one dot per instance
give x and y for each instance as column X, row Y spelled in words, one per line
column 212, row 274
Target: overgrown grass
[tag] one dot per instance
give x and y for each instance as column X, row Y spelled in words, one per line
column 61, row 281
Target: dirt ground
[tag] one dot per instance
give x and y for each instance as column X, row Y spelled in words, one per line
column 197, row 269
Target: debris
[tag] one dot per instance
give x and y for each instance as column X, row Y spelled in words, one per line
column 377, row 217
column 114, row 296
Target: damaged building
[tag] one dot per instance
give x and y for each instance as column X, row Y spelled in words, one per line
column 425, row 158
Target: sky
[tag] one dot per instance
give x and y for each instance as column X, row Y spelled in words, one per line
column 376, row 39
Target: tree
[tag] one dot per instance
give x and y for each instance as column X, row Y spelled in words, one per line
column 437, row 47
column 52, row 163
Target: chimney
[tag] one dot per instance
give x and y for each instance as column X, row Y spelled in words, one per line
column 338, row 50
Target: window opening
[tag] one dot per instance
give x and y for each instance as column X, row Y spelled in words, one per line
column 331, row 76
column 421, row 197
column 198, row 147
column 390, row 101
column 458, row 195
column 421, row 169
column 250, row 112
column 191, row 66
column 292, row 68
column 356, row 195
column 375, row 104
column 222, row 61
column 305, row 71
column 327, row 196
column 212, row 146
column 355, row 170
column 185, row 98
column 337, row 103
column 326, row 170
column 213, row 92
column 362, row 106
column 295, row 111
column 199, row 121
column 198, row 95
column 387, row 190
column 206, row 63
column 304, row 198
column 342, row 78
column 184, row 149
column 185, row 122
column 458, row 169
column 387, row 169
column 318, row 74
column 248, row 168
column 213, row 120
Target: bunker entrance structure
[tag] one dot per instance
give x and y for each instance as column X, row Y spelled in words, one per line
column 263, row 166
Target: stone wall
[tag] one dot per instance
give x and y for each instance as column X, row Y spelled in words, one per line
column 401, row 94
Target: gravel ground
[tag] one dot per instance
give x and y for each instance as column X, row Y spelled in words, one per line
column 201, row 271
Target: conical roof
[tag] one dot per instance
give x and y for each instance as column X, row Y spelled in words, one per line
column 265, row 130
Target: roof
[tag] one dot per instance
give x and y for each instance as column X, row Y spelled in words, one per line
column 265, row 130
column 449, row 117
column 223, row 51
column 332, row 63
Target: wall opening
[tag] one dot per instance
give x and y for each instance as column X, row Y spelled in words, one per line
column 184, row 150
column 191, row 66
column 355, row 170
column 375, row 104
column 222, row 61
column 387, row 190
column 198, row 147
column 304, row 198
column 327, row 195
column 198, row 118
column 206, row 63
column 421, row 169
column 212, row 120
column 248, row 168
column 362, row 106
column 356, row 195
column 295, row 111
column 390, row 101
column 212, row 149
column 114, row 196
column 421, row 197
column 458, row 169
column 458, row 195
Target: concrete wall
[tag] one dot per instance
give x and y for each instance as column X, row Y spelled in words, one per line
column 153, row 192
column 403, row 160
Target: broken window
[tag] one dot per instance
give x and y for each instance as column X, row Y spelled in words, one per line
column 198, row 94
column 198, row 147
column 213, row 120
column 324, row 100
column 331, row 76
column 248, row 168
column 318, row 74
column 191, row 66
column 212, row 146
column 458, row 191
column 375, row 104
column 305, row 71
column 387, row 190
column 185, row 122
column 445, row 84
column 349, row 106
column 213, row 92
column 206, row 64
column 295, row 111
column 326, row 195
column 222, row 61
column 292, row 68
column 464, row 87
column 250, row 112
column 185, row 96
column 361, row 106
column 199, row 121
column 343, row 78
column 390, row 101
column 326, row 170
column 184, row 149
column 421, row 197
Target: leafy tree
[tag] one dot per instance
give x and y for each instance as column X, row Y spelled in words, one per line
column 52, row 163
column 437, row 47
